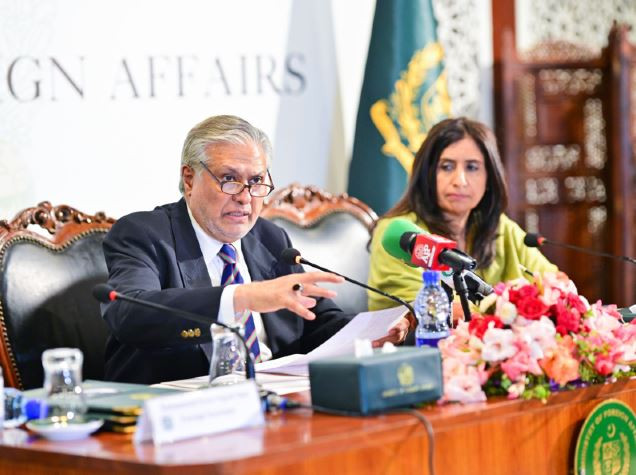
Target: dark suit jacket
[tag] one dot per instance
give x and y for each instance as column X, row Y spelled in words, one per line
column 155, row 256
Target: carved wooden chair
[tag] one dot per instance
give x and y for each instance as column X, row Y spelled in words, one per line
column 329, row 230
column 45, row 290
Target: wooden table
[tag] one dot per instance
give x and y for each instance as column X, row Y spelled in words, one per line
column 496, row 437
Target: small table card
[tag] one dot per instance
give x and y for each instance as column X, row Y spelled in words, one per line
column 208, row 411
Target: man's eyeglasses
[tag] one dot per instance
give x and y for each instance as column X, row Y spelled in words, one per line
column 258, row 190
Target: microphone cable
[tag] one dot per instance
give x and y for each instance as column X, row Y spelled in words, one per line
column 429, row 431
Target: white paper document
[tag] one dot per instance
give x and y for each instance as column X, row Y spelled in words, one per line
column 366, row 325
column 281, row 384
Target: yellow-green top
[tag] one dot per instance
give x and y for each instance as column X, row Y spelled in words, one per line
column 397, row 278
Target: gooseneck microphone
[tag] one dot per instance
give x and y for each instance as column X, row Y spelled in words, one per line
column 292, row 256
column 535, row 240
column 106, row 293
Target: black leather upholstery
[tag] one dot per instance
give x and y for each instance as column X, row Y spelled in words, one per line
column 47, row 302
column 337, row 242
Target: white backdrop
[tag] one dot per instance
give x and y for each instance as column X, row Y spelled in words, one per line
column 96, row 97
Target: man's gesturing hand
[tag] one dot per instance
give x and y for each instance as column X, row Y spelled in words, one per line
column 272, row 295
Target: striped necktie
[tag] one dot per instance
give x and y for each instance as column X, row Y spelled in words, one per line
column 231, row 275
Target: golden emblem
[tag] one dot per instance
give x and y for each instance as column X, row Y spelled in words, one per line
column 409, row 112
column 607, row 440
column 405, row 374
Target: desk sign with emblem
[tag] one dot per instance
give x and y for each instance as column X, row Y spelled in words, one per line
column 607, row 442
column 207, row 411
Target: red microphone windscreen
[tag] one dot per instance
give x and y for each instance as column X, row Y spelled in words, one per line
column 427, row 249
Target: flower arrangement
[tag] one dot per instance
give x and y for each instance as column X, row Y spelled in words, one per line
column 532, row 337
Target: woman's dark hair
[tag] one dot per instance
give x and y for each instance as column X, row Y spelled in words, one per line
column 421, row 193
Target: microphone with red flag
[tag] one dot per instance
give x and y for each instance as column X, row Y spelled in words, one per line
column 435, row 252
column 409, row 243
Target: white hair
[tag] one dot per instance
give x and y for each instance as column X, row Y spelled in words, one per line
column 220, row 129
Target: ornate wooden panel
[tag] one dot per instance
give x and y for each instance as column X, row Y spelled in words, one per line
column 567, row 140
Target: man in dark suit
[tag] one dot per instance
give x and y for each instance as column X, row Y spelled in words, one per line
column 178, row 255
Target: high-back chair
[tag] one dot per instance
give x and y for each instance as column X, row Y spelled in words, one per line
column 46, row 286
column 329, row 230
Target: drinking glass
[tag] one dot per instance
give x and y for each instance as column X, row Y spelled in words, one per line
column 228, row 356
column 63, row 382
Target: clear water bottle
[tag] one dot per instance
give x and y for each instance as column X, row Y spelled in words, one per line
column 432, row 310
column 15, row 409
column 18, row 409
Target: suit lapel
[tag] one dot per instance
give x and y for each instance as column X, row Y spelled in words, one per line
column 260, row 262
column 194, row 272
column 263, row 265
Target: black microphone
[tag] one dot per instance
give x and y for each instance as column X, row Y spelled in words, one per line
column 105, row 293
column 477, row 287
column 292, row 256
column 535, row 240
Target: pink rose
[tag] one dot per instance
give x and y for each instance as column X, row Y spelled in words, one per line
column 603, row 365
column 519, row 364
column 499, row 288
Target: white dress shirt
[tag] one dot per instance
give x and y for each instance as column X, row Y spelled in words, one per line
column 210, row 248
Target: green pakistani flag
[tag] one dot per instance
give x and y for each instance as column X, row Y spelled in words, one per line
column 403, row 95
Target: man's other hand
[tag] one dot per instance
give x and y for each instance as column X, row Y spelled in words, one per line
column 396, row 335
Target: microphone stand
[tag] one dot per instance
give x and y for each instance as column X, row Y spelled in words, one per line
column 250, row 373
column 460, row 287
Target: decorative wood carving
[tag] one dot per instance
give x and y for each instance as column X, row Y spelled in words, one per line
column 558, row 51
column 65, row 226
column 62, row 222
column 306, row 205
column 567, row 138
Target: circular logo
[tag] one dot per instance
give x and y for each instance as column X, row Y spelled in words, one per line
column 607, row 442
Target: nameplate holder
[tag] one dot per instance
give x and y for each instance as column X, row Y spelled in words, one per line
column 181, row 416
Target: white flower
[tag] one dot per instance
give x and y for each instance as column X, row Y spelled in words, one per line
column 603, row 323
column 498, row 344
column 516, row 390
column 507, row 312
column 462, row 385
column 539, row 335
